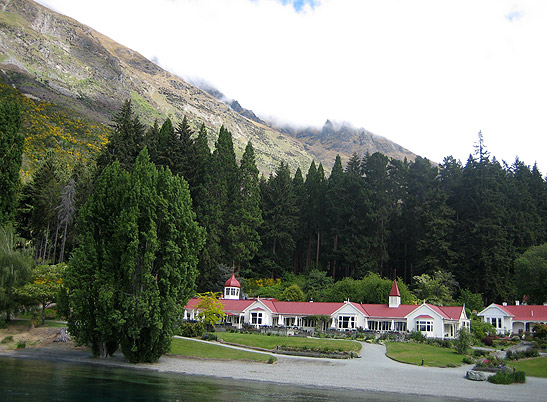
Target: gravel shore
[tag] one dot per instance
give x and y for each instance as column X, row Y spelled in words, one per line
column 372, row 372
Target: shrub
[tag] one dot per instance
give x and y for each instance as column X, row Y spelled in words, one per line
column 7, row 339
column 21, row 345
column 271, row 360
column 480, row 353
column 3, row 324
column 488, row 340
column 463, row 341
column 507, row 377
column 417, row 336
column 207, row 336
column 467, row 360
column 191, row 329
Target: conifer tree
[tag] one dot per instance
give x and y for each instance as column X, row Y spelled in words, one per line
column 244, row 237
column 11, row 150
column 135, row 267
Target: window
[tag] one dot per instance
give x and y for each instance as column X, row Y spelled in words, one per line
column 400, row 326
column 496, row 322
column 256, row 318
column 373, row 325
column 385, row 325
column 424, row 326
column 346, row 322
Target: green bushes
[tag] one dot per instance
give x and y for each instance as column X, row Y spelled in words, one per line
column 21, row 345
column 7, row 339
column 190, row 329
column 522, row 355
column 507, row 377
column 207, row 336
column 417, row 336
column 467, row 360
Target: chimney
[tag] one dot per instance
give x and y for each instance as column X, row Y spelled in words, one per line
column 517, row 303
column 505, row 303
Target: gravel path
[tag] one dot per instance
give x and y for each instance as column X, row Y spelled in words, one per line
column 373, row 372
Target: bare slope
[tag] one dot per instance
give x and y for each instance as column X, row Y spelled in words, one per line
column 57, row 59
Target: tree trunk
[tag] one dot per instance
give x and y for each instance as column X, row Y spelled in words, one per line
column 43, row 314
column 317, row 250
column 62, row 255
column 335, row 259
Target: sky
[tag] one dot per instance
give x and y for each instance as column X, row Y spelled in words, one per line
column 426, row 74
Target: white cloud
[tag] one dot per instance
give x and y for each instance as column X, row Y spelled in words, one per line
column 426, row 74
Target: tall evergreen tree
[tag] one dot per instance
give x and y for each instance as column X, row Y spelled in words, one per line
column 11, row 150
column 244, row 237
column 127, row 139
column 135, row 267
column 280, row 222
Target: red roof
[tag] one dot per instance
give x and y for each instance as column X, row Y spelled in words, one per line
column 232, row 282
column 395, row 289
column 384, row 311
column 423, row 316
column 532, row 312
column 307, row 308
column 229, row 305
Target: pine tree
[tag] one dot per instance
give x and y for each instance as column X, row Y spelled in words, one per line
column 244, row 237
column 127, row 139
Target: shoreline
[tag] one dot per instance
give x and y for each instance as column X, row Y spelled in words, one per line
column 373, row 372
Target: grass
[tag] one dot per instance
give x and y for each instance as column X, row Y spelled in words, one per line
column 413, row 353
column 190, row 348
column 271, row 342
column 535, row 367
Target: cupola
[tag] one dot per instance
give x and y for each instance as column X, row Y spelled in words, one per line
column 394, row 296
column 232, row 288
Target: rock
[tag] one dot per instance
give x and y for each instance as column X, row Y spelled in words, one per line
column 63, row 336
column 475, row 375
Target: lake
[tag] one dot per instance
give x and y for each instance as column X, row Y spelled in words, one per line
column 33, row 380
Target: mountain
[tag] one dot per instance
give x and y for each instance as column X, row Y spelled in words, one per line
column 53, row 58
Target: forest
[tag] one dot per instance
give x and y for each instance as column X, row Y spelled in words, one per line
column 468, row 230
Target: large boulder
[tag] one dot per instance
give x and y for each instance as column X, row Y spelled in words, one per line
column 475, row 375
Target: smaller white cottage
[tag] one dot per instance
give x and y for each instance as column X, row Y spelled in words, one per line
column 514, row 319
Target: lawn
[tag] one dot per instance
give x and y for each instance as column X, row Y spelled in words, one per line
column 190, row 348
column 271, row 342
column 535, row 367
column 413, row 353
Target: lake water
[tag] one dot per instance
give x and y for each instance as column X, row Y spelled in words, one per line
column 31, row 380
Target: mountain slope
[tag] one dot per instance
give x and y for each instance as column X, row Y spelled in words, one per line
column 59, row 60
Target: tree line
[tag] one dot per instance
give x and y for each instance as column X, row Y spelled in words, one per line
column 372, row 215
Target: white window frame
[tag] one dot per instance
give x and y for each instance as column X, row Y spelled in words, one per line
column 256, row 317
column 424, row 325
column 349, row 320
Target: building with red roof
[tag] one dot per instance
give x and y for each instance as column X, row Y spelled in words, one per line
column 432, row 321
column 514, row 319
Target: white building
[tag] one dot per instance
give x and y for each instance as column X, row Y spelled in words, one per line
column 432, row 321
column 514, row 319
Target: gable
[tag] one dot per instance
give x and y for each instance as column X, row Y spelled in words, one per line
column 495, row 310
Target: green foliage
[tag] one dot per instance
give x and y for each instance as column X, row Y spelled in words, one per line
column 531, row 274
column 45, row 286
column 463, row 341
column 293, row 293
column 21, row 345
column 15, row 269
column 436, row 289
column 7, row 339
column 135, row 266
column 481, row 329
column 211, row 309
column 473, row 301
column 11, row 149
column 467, row 360
column 191, row 329
column 507, row 377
